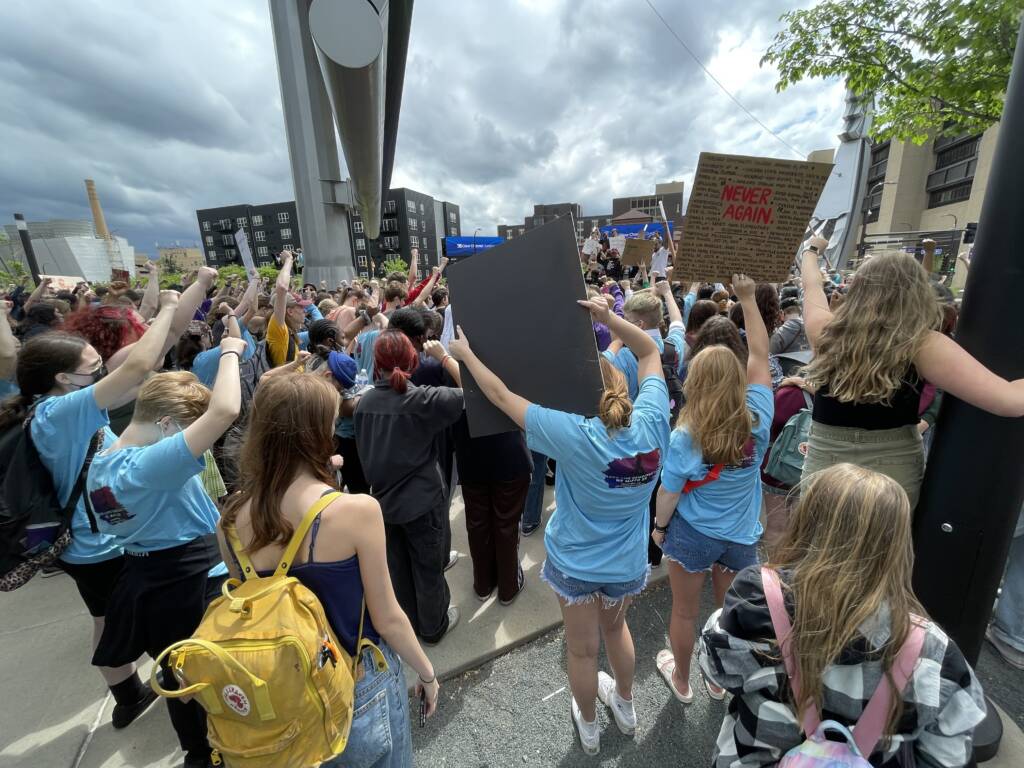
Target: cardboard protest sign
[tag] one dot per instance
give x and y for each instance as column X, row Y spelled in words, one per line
column 545, row 349
column 638, row 252
column 120, row 274
column 63, row 282
column 245, row 251
column 747, row 214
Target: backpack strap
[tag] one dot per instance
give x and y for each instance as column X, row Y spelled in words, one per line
column 808, row 400
column 871, row 725
column 78, row 490
column 710, row 477
column 783, row 629
column 300, row 532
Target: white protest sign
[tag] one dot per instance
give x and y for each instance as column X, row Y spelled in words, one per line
column 591, row 246
column 244, row 251
column 617, row 243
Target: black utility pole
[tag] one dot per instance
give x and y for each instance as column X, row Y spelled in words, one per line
column 26, row 243
column 974, row 486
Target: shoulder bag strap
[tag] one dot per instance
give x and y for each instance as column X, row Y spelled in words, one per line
column 710, row 477
column 783, row 630
column 808, row 400
column 871, row 725
column 301, row 531
column 79, row 488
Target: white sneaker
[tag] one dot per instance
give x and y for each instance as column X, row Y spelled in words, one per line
column 622, row 710
column 590, row 735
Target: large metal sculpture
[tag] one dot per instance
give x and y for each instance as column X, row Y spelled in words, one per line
column 340, row 59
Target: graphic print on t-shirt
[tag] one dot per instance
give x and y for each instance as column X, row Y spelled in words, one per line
column 107, row 507
column 746, row 463
column 633, row 471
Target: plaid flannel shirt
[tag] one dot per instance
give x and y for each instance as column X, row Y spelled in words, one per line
column 943, row 702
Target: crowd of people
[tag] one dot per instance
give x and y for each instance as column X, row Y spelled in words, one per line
column 202, row 435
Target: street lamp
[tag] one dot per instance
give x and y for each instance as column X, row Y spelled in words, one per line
column 867, row 210
column 956, row 221
column 474, row 240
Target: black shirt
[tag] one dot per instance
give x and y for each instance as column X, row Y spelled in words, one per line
column 395, row 436
column 902, row 410
column 491, row 459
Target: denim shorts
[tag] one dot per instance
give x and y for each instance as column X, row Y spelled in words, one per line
column 381, row 735
column 696, row 552
column 576, row 591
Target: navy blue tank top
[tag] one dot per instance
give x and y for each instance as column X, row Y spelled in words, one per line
column 339, row 587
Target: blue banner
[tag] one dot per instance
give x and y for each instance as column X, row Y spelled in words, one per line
column 457, row 247
column 634, row 230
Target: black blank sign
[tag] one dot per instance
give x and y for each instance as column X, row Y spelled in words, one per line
column 516, row 303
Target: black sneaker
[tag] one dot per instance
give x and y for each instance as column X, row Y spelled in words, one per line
column 529, row 529
column 50, row 570
column 195, row 759
column 124, row 715
column 522, row 586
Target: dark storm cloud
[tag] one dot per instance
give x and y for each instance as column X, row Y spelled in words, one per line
column 176, row 106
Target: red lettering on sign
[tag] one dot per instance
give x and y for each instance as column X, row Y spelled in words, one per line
column 756, row 214
column 749, row 195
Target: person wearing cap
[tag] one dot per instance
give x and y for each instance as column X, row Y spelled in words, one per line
column 790, row 336
column 341, row 370
column 288, row 318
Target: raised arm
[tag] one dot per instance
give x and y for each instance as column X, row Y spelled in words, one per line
column 414, row 266
column 664, row 290
column 284, row 279
column 494, row 389
column 39, row 293
column 225, row 403
column 953, row 369
column 8, row 344
column 426, row 290
column 816, row 311
column 151, row 297
column 436, row 350
column 639, row 343
column 247, row 305
column 117, row 387
column 757, row 335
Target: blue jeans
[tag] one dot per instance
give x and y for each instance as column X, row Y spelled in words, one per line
column 1008, row 619
column 697, row 552
column 535, row 496
column 381, row 735
column 577, row 591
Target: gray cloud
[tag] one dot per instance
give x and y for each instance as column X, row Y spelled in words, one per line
column 176, row 106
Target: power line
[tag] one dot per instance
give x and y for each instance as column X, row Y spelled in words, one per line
column 725, row 90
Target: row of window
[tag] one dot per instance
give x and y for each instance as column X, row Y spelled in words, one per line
column 262, row 251
column 259, row 234
column 257, row 221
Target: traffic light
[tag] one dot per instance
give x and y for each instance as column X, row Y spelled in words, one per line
column 970, row 232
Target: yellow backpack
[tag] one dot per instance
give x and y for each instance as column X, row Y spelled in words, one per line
column 264, row 663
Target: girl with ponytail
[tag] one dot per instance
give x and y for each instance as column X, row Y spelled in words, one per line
column 596, row 540
column 396, row 428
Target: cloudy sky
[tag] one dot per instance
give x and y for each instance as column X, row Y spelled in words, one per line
column 176, row 106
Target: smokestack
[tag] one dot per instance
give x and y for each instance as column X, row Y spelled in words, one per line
column 97, row 211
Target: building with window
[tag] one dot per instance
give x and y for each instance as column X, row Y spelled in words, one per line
column 933, row 187
column 409, row 219
column 270, row 229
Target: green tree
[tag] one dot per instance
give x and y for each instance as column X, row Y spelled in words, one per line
column 395, row 264
column 933, row 66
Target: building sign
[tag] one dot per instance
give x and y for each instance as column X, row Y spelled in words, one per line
column 457, row 247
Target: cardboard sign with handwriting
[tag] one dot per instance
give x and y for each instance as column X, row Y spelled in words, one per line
column 63, row 282
column 638, row 252
column 747, row 214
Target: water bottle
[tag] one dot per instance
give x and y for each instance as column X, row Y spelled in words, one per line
column 362, row 380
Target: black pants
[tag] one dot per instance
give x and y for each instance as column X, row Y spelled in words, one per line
column 653, row 550
column 417, row 554
column 352, row 470
column 493, row 511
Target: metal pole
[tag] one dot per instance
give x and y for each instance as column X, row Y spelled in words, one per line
column 972, row 492
column 26, row 243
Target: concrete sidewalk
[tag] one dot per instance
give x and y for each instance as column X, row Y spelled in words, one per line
column 55, row 713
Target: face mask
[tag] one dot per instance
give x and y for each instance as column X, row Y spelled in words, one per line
column 94, row 376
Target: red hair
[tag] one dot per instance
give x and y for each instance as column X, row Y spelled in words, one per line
column 107, row 328
column 395, row 353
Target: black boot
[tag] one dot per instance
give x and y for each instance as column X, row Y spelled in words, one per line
column 131, row 698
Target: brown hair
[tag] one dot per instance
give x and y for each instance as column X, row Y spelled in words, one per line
column 291, row 430
column 847, row 557
column 699, row 313
column 40, row 359
column 716, row 413
column 615, row 409
column 720, row 331
column 178, row 394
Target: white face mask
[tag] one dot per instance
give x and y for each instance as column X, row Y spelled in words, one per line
column 165, row 429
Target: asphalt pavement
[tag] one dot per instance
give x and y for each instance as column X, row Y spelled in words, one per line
column 514, row 710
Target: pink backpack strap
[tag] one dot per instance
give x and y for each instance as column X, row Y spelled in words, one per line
column 783, row 630
column 871, row 725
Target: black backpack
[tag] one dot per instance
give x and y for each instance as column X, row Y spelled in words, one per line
column 670, row 367
column 35, row 528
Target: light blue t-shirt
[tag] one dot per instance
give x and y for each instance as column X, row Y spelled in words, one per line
column 603, row 485
column 365, row 342
column 626, row 361
column 728, row 508
column 62, row 429
column 206, row 363
column 152, row 497
column 8, row 388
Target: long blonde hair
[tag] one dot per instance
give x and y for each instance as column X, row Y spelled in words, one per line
column 846, row 556
column 716, row 413
column 867, row 347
